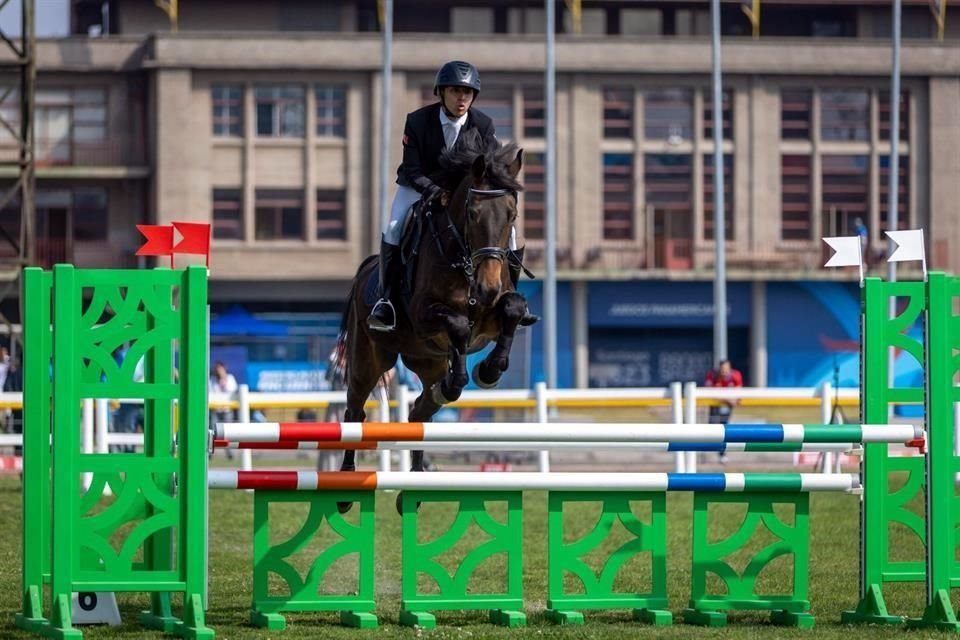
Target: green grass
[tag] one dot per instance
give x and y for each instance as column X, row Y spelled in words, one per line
column 833, row 580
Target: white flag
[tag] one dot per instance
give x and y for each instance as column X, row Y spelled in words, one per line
column 848, row 251
column 909, row 245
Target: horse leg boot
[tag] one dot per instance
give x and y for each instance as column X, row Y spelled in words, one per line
column 515, row 266
column 350, row 455
column 383, row 316
column 510, row 309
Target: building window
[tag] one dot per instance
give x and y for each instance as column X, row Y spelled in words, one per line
column 280, row 111
column 618, row 217
column 845, row 114
column 227, row 103
column 726, row 112
column 903, row 191
column 728, row 226
column 846, row 192
column 331, row 111
column 796, row 198
column 668, row 115
column 331, row 214
column 526, row 20
column 796, row 106
column 227, row 214
column 668, row 178
column 89, row 115
column 617, row 113
column 641, row 22
column 884, row 119
column 279, row 214
column 90, row 215
column 497, row 102
column 593, row 22
column 534, row 113
column 534, row 195
column 471, row 20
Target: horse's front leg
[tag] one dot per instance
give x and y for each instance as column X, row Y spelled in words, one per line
column 457, row 327
column 510, row 309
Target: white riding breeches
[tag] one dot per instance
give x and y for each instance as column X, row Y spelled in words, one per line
column 405, row 198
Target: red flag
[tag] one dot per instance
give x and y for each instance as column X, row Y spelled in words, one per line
column 159, row 240
column 196, row 239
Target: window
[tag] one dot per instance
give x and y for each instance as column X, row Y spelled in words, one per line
column 530, row 20
column 90, row 216
column 795, row 109
column 668, row 115
column 728, row 224
column 227, row 214
column 796, row 196
column 534, row 113
column 726, row 113
column 885, row 115
column 331, row 111
column 280, row 111
column 846, row 192
column 668, row 178
column 279, row 214
column 471, row 20
column 227, row 103
column 618, row 218
column 534, row 195
column 903, row 191
column 641, row 22
column 89, row 115
column 845, row 114
column 618, row 113
column 592, row 22
column 497, row 102
column 331, row 214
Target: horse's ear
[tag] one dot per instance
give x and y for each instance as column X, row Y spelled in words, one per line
column 479, row 168
column 517, row 163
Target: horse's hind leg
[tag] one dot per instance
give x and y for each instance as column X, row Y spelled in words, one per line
column 368, row 364
column 510, row 310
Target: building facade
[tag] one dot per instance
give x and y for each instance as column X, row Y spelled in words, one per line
column 263, row 119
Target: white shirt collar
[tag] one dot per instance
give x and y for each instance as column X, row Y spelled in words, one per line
column 445, row 119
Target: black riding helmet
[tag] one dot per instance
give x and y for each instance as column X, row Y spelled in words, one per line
column 457, row 73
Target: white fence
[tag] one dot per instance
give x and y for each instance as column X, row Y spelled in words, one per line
column 683, row 402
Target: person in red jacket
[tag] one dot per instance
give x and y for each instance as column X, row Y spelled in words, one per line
column 723, row 376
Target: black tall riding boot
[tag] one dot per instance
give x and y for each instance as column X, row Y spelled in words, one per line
column 515, row 264
column 383, row 317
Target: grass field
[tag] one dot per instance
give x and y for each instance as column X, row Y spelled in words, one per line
column 833, row 579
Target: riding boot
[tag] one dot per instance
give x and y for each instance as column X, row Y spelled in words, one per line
column 515, row 265
column 383, row 317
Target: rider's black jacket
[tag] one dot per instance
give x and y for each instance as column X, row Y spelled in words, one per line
column 423, row 143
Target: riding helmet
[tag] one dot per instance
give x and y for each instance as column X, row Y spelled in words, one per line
column 457, row 73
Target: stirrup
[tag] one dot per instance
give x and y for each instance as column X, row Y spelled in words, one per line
column 375, row 323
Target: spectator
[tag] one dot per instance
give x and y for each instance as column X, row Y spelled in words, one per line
column 723, row 376
column 222, row 381
column 13, row 382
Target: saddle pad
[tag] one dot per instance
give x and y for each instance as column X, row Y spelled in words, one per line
column 370, row 287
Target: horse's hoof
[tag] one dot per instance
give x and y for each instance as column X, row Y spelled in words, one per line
column 478, row 379
column 344, row 507
column 400, row 504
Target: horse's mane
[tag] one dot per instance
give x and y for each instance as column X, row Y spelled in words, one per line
column 457, row 161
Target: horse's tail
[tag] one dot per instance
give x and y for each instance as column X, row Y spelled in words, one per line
column 338, row 359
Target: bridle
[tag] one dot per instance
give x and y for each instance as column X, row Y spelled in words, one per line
column 469, row 258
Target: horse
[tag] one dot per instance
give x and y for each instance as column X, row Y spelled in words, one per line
column 460, row 299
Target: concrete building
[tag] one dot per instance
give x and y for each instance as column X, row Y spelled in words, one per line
column 263, row 119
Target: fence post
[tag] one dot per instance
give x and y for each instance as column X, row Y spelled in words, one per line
column 690, row 411
column 540, row 394
column 676, row 412
column 384, row 412
column 403, row 415
column 88, row 422
column 245, row 415
column 101, row 423
column 826, row 413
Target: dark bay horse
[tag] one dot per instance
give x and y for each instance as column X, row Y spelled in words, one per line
column 461, row 298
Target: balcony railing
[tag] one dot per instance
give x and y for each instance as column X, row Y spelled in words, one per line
column 109, row 153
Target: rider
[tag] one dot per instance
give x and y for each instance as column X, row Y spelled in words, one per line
column 428, row 131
